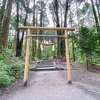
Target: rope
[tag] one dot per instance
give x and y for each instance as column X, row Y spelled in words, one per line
column 50, row 44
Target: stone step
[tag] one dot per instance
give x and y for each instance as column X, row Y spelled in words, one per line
column 45, row 68
column 46, row 65
column 39, row 66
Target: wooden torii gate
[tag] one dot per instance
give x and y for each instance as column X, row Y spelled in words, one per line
column 28, row 28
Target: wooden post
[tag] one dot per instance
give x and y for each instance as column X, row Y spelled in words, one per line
column 26, row 59
column 67, row 58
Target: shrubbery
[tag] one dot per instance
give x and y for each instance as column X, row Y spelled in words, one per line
column 4, row 79
column 10, row 69
column 15, row 68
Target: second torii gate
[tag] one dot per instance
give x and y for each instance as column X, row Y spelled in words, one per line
column 28, row 28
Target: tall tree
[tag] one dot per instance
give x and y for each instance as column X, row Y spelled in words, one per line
column 41, row 7
column 2, row 10
column 33, row 42
column 56, row 9
column 17, row 21
column 66, row 13
column 40, row 32
column 5, row 25
column 65, row 25
column 19, row 42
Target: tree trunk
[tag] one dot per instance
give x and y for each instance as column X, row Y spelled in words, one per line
column 2, row 10
column 40, row 32
column 98, row 9
column 33, row 42
column 65, row 25
column 73, row 49
column 19, row 44
column 61, row 24
column 66, row 13
column 56, row 7
column 20, row 41
column 5, row 27
column 77, row 13
column 87, row 62
column 95, row 17
column 14, row 44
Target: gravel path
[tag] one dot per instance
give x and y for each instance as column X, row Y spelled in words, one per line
column 52, row 85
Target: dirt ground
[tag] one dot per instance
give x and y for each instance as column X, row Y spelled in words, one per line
column 81, row 78
column 86, row 79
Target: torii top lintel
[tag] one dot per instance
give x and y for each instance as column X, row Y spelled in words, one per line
column 46, row 28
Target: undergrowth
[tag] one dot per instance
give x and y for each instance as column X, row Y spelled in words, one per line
column 11, row 68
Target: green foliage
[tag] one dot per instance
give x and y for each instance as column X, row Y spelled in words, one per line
column 9, row 53
column 15, row 68
column 3, row 66
column 47, row 52
column 79, row 11
column 36, row 59
column 87, row 43
column 4, row 79
column 85, row 7
column 32, row 67
column 6, row 53
column 10, row 70
column 10, row 67
column 2, row 55
column 87, row 40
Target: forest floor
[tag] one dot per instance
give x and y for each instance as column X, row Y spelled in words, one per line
column 52, row 85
